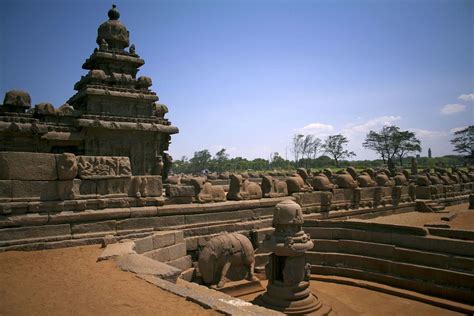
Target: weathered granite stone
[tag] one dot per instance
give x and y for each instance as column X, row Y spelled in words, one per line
column 16, row 101
column 116, row 250
column 224, row 252
column 44, row 109
column 34, row 190
column 241, row 189
column 140, row 264
column 67, row 166
column 272, row 187
column 174, row 191
column 27, row 166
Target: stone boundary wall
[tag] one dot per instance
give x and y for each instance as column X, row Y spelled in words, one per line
column 401, row 256
column 69, row 228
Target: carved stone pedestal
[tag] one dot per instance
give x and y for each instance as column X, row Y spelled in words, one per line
column 287, row 272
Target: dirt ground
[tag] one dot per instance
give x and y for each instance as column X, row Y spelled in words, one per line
column 353, row 300
column 464, row 218
column 346, row 300
column 69, row 282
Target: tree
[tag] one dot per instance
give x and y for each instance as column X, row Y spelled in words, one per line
column 429, row 152
column 220, row 160
column 296, row 146
column 408, row 144
column 200, row 161
column 391, row 142
column 463, row 141
column 334, row 146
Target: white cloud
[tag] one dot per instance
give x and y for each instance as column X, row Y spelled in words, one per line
column 466, row 97
column 423, row 133
column 457, row 129
column 372, row 124
column 317, row 129
column 449, row 109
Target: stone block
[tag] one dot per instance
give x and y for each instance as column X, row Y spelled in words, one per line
column 140, row 264
column 150, row 222
column 423, row 192
column 188, row 274
column 23, row 220
column 221, row 216
column 144, row 244
column 5, row 190
column 178, row 236
column 191, row 243
column 27, row 166
column 163, row 239
column 8, row 234
column 76, row 189
column 182, row 263
column 34, row 190
column 177, row 251
column 116, row 250
column 143, row 211
column 104, row 227
column 174, row 191
column 94, row 167
column 113, row 186
column 144, row 186
column 160, row 254
column 308, row 198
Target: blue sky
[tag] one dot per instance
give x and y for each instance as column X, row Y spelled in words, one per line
column 247, row 75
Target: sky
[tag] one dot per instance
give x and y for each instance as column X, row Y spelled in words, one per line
column 248, row 75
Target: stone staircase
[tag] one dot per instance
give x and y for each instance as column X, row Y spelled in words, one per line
column 428, row 206
column 441, row 267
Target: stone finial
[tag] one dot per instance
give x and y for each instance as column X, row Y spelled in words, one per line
column 113, row 31
column 16, row 101
column 113, row 13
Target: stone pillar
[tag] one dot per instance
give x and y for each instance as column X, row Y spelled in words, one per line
column 287, row 272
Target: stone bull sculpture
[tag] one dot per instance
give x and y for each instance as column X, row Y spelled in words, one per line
column 221, row 253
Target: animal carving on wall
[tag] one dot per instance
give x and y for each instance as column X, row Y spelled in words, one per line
column 205, row 192
column 383, row 179
column 320, row 182
column 272, row 187
column 344, row 180
column 240, row 189
column 297, row 182
column 224, row 253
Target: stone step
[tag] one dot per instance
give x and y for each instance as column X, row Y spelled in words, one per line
column 426, row 287
column 441, row 277
column 399, row 254
column 404, row 240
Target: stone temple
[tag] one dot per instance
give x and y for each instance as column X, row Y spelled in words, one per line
column 95, row 171
column 113, row 113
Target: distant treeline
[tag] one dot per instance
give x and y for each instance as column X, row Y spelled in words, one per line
column 203, row 160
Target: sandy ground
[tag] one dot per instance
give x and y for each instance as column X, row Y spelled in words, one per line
column 464, row 218
column 346, row 300
column 70, row 282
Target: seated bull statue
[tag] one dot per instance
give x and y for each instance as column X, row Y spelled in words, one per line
column 272, row 187
column 364, row 180
column 205, row 192
column 297, row 182
column 223, row 252
column 320, row 182
column 383, row 179
column 240, row 189
column 434, row 178
column 344, row 180
column 400, row 179
column 422, row 179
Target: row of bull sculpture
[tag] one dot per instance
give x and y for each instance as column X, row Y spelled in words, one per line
column 278, row 184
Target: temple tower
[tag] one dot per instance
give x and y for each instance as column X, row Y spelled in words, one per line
column 120, row 116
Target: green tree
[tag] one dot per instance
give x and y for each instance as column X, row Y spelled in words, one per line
column 463, row 141
column 334, row 146
column 391, row 142
column 200, row 161
column 221, row 160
